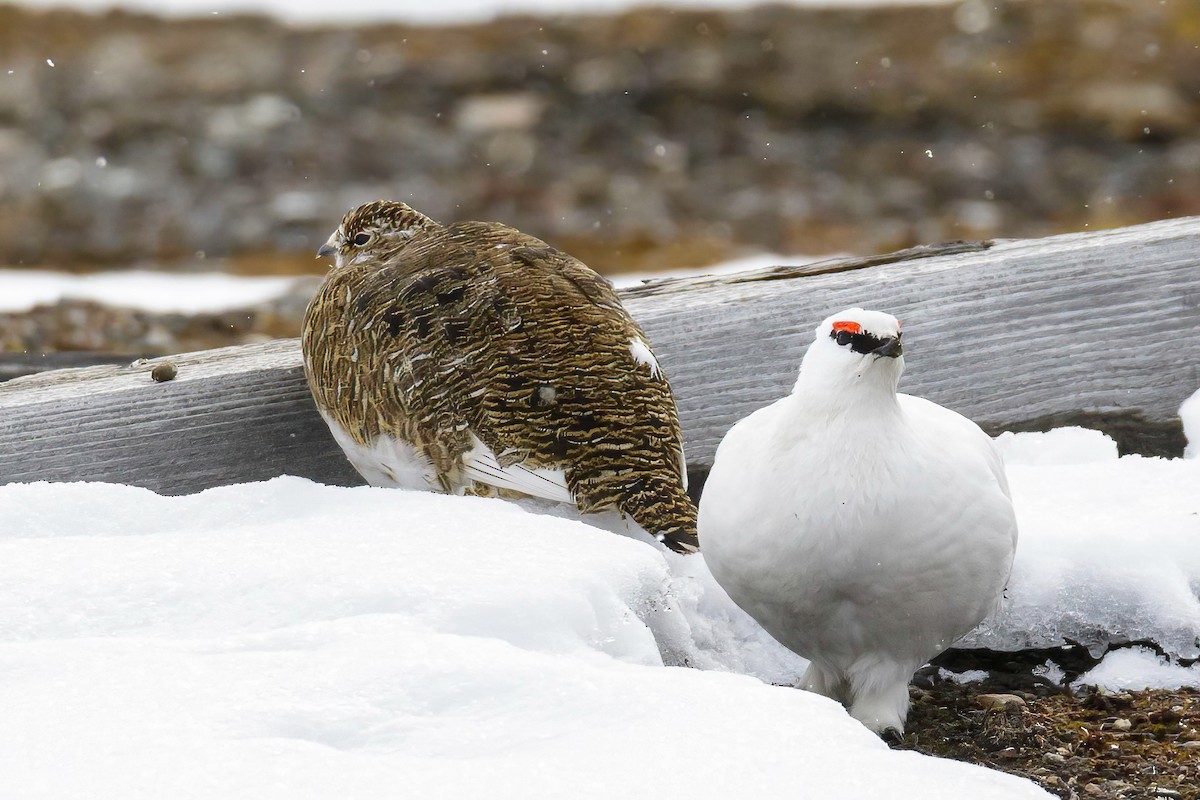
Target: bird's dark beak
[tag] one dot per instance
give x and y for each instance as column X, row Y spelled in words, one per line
column 326, row 251
column 889, row 349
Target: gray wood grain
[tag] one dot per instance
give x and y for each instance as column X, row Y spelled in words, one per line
column 14, row 365
column 231, row 415
column 1099, row 329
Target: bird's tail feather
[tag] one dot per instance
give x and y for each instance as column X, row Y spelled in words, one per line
column 666, row 512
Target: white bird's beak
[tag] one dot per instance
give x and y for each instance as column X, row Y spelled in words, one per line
column 890, row 348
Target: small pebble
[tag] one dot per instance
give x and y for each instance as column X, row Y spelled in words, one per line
column 1092, row 788
column 1122, row 725
column 996, row 702
column 165, row 371
column 1054, row 758
column 1189, row 745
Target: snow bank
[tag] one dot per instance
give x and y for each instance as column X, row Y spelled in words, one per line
column 1109, row 548
column 289, row 640
column 187, row 293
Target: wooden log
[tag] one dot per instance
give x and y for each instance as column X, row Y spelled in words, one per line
column 1096, row 329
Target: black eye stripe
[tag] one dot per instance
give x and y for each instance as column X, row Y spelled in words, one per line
column 859, row 342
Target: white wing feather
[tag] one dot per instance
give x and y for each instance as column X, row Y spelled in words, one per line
column 480, row 464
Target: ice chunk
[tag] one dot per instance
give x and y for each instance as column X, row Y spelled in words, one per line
column 966, row 676
column 1139, row 668
column 1051, row 672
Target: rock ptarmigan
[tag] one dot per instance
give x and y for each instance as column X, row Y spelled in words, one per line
column 472, row 358
column 864, row 529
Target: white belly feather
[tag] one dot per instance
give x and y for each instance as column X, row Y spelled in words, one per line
column 387, row 461
column 390, row 461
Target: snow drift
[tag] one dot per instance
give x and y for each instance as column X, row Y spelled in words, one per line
column 290, row 640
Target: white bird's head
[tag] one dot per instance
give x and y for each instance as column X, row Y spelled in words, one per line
column 854, row 348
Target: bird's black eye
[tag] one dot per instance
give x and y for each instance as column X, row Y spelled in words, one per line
column 361, row 239
column 844, row 337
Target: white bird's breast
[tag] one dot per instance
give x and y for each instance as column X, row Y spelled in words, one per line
column 836, row 536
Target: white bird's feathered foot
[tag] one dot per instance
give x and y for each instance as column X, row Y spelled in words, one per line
column 864, row 529
column 875, row 694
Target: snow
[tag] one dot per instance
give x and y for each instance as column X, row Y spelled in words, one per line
column 440, row 13
column 208, row 292
column 186, row 293
column 291, row 640
column 1189, row 413
column 1139, row 668
column 1055, row 447
column 1109, row 547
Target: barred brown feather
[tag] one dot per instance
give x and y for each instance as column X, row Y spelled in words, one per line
column 434, row 335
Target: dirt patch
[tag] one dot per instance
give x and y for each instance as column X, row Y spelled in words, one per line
column 1083, row 744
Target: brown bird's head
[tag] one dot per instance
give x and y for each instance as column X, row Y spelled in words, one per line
column 374, row 232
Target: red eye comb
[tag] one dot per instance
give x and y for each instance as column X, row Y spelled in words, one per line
column 848, row 327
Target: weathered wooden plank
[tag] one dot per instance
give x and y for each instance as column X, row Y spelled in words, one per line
column 231, row 415
column 1097, row 329
column 15, row 365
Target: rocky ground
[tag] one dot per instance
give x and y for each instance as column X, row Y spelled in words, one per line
column 1086, row 744
column 83, row 326
column 648, row 139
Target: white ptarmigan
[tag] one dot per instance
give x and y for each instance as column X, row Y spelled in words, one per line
column 864, row 529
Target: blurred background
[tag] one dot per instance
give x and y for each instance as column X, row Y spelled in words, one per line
column 166, row 180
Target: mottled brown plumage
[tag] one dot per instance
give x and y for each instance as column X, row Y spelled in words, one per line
column 492, row 362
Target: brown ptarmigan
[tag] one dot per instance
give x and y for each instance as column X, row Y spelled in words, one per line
column 475, row 359
column 865, row 529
